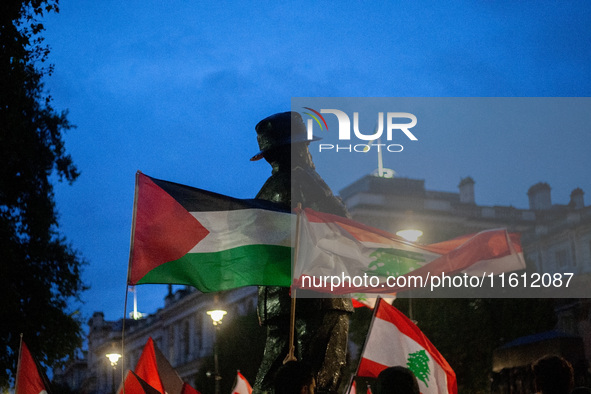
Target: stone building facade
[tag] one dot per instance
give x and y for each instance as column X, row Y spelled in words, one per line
column 182, row 330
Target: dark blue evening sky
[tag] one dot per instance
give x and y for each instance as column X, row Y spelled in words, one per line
column 174, row 89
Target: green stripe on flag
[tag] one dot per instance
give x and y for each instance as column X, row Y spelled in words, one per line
column 268, row 265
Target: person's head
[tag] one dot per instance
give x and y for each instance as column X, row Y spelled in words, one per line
column 397, row 380
column 283, row 137
column 553, row 375
column 295, row 377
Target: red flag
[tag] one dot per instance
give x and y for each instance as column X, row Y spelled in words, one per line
column 28, row 377
column 394, row 340
column 136, row 385
column 147, row 368
column 155, row 369
column 242, row 386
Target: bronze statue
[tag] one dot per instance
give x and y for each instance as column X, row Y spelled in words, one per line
column 322, row 324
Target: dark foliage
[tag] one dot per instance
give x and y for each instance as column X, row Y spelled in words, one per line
column 39, row 270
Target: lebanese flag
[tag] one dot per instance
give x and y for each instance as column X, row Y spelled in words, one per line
column 333, row 246
column 135, row 385
column 394, row 340
column 155, row 369
column 363, row 301
column 28, row 377
column 242, row 386
column 189, row 236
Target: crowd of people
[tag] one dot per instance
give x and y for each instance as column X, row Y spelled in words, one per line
column 552, row 375
column 555, row 375
column 297, row 378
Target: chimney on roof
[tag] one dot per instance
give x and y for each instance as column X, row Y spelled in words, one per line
column 539, row 196
column 467, row 190
column 576, row 198
column 97, row 320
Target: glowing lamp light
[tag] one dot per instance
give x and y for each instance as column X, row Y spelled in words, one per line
column 410, row 235
column 217, row 315
column 113, row 358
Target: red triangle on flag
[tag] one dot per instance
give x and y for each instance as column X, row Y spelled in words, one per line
column 28, row 377
column 164, row 230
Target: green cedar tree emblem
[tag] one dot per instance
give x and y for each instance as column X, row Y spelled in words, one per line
column 394, row 262
column 418, row 363
column 361, row 297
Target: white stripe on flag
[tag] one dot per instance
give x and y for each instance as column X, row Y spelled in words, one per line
column 327, row 249
column 232, row 229
column 386, row 345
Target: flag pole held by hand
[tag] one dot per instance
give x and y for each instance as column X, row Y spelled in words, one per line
column 291, row 354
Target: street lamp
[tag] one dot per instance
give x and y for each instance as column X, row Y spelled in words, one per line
column 411, row 235
column 113, row 359
column 216, row 316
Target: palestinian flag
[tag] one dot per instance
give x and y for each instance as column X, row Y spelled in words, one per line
column 184, row 235
column 394, row 340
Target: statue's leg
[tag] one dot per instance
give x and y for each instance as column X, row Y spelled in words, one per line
column 276, row 349
column 325, row 348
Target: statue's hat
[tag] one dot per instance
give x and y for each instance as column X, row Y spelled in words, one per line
column 280, row 129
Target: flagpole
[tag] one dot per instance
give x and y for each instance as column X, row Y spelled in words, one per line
column 380, row 160
column 133, row 219
column 123, row 339
column 373, row 318
column 18, row 363
column 135, row 198
column 348, row 390
column 291, row 355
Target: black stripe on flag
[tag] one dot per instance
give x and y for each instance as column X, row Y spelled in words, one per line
column 198, row 200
